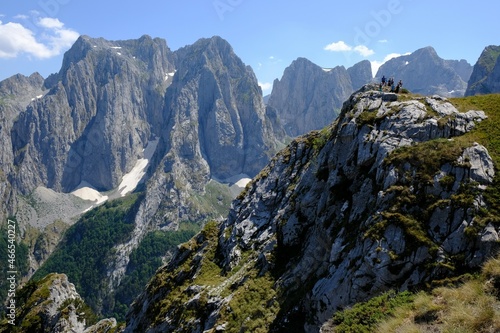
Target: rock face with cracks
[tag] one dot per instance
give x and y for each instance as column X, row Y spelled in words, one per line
column 387, row 197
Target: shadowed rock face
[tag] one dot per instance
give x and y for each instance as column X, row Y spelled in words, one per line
column 485, row 78
column 336, row 217
column 216, row 111
column 96, row 117
column 16, row 93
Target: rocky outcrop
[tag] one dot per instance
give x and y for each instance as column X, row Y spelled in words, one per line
column 309, row 97
column 461, row 67
column 485, row 78
column 388, row 197
column 227, row 109
column 215, row 129
column 424, row 72
column 53, row 305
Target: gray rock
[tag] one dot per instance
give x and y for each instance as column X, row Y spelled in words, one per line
column 92, row 126
column 16, row 93
column 482, row 169
column 58, row 308
column 390, row 97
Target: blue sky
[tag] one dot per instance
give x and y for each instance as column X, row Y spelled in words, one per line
column 267, row 35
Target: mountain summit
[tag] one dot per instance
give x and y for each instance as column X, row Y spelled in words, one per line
column 424, row 72
column 96, row 117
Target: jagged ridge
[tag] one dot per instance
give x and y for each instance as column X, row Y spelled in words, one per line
column 337, row 217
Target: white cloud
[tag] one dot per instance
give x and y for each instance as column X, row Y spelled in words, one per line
column 393, row 55
column 363, row 50
column 50, row 40
column 273, row 60
column 265, row 86
column 383, row 41
column 341, row 46
column 377, row 64
column 50, row 23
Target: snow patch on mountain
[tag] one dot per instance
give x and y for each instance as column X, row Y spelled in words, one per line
column 134, row 177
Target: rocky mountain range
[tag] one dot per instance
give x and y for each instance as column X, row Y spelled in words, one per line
column 485, row 78
column 394, row 195
column 186, row 125
column 168, row 138
column 388, row 197
column 424, row 72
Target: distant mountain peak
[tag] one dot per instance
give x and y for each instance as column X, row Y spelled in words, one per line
column 485, row 78
column 427, row 50
column 309, row 97
column 424, row 72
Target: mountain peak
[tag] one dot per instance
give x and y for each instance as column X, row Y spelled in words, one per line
column 308, row 97
column 485, row 77
column 427, row 50
column 424, row 72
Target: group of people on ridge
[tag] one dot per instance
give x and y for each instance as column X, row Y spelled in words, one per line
column 390, row 83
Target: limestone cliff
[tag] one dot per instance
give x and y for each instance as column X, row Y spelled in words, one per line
column 119, row 116
column 390, row 196
column 97, row 117
column 215, row 132
column 16, row 93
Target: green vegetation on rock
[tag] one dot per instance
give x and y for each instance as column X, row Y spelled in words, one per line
column 469, row 306
column 486, row 133
column 144, row 261
column 34, row 300
column 471, row 303
column 364, row 317
column 87, row 246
